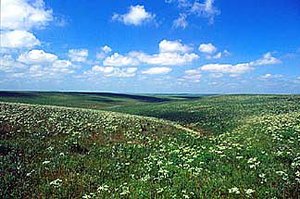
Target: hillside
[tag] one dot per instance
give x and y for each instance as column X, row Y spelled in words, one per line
column 240, row 147
column 100, row 100
column 216, row 114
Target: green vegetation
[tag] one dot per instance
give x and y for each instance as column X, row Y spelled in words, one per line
column 236, row 146
column 86, row 99
column 217, row 114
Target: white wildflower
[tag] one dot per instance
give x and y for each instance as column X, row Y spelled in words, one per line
column 56, row 183
column 249, row 191
column 234, row 190
column 46, row 162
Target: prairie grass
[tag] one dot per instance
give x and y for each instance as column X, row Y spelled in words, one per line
column 242, row 147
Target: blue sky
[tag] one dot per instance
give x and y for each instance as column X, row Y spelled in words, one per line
column 205, row 46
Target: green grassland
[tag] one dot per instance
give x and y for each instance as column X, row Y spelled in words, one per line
column 88, row 100
column 150, row 146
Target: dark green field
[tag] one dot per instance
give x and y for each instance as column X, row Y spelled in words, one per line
column 104, row 145
column 89, row 100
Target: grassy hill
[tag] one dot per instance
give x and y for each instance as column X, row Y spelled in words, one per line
column 217, row 114
column 237, row 146
column 88, row 99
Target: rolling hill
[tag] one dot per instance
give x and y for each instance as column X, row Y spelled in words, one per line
column 236, row 146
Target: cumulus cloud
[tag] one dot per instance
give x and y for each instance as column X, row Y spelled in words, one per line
column 181, row 21
column 157, row 70
column 18, row 39
column 24, row 14
column 235, row 69
column 8, row 64
column 207, row 48
column 105, row 50
column 173, row 46
column 192, row 75
column 136, row 15
column 36, row 64
column 267, row 59
column 211, row 52
column 78, row 55
column 124, row 72
column 227, row 68
column 55, row 70
column 62, row 65
column 102, row 69
column 37, row 57
column 166, row 59
column 117, row 59
column 170, row 53
column 18, row 17
column 109, row 71
column 217, row 70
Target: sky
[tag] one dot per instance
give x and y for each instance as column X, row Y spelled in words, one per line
column 163, row 46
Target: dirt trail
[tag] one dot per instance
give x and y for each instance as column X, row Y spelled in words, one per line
column 178, row 126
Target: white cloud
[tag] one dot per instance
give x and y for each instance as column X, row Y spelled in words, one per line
column 227, row 68
column 157, row 70
column 124, row 72
column 42, row 71
column 55, row 70
column 193, row 7
column 102, row 69
column 109, row 71
column 211, row 51
column 137, row 15
column 62, row 66
column 237, row 69
column 36, row 64
column 208, row 48
column 193, row 75
column 270, row 76
column 37, row 57
column 181, row 21
column 167, row 59
column 218, row 55
column 171, row 53
column 36, row 71
column 78, row 55
column 8, row 64
column 205, row 9
column 173, row 46
column 120, row 60
column 105, row 50
column 18, row 17
column 18, row 39
column 267, row 59
column 24, row 14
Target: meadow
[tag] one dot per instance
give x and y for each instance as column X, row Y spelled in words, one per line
column 87, row 145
